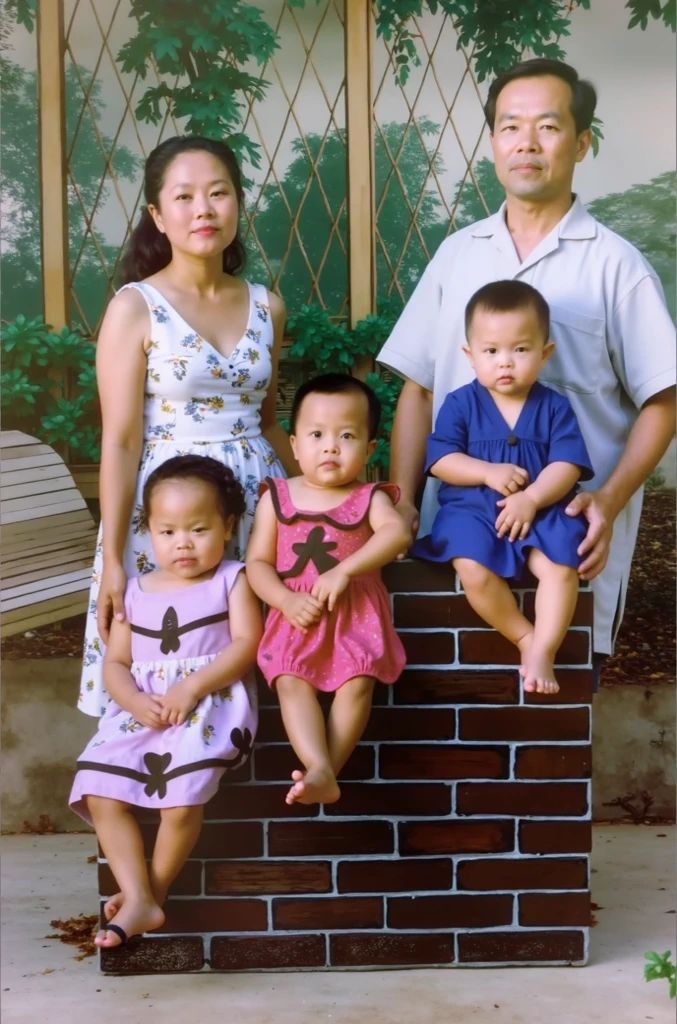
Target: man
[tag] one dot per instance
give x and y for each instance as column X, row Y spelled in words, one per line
column 614, row 340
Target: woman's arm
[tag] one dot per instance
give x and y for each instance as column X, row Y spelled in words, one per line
column 270, row 428
column 121, row 375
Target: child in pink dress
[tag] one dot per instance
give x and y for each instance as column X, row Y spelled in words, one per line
column 318, row 543
column 180, row 713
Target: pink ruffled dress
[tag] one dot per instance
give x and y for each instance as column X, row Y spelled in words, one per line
column 357, row 638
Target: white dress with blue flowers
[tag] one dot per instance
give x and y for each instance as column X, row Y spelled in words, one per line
column 196, row 402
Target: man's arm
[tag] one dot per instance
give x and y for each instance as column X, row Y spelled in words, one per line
column 413, row 423
column 649, row 438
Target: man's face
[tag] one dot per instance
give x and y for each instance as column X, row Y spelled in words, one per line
column 535, row 144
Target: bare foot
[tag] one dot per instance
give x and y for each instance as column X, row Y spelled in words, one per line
column 317, row 786
column 539, row 672
column 112, row 906
column 135, row 919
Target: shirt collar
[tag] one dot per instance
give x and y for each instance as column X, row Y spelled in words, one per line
column 577, row 223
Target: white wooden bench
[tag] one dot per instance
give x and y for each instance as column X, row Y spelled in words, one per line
column 48, row 536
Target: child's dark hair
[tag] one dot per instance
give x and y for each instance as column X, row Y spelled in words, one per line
column 229, row 492
column 337, row 384
column 148, row 250
column 507, row 297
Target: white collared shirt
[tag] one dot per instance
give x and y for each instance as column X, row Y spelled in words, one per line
column 614, row 349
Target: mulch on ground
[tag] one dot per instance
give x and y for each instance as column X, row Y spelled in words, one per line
column 645, row 649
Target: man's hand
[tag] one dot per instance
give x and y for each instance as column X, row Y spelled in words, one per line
column 330, row 585
column 600, row 516
column 517, row 515
column 506, row 478
column 178, row 703
column 147, row 710
column 302, row 610
column 411, row 517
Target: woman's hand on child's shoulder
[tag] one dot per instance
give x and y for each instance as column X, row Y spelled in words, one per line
column 330, row 585
column 147, row 710
column 505, row 478
column 302, row 610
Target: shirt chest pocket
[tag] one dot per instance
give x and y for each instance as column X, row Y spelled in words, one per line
column 576, row 363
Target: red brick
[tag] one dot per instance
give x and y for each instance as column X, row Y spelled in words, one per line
column 394, row 875
column 403, row 723
column 428, row 648
column 256, row 802
column 442, row 686
column 527, row 873
column 238, row 840
column 178, row 955
column 521, row 947
column 277, row 762
column 333, row 913
column 563, row 724
column 454, row 911
column 456, row 836
column 270, row 952
column 414, row 576
column 188, row 882
column 486, row 647
column 561, row 762
column 582, row 614
column 389, row 950
column 259, row 877
column 441, row 761
column 302, row 839
column 448, row 611
column 555, row 836
column 557, row 799
column 555, row 909
column 216, row 915
column 575, row 688
column 386, row 799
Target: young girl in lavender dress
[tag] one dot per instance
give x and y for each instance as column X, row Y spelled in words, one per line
column 509, row 452
column 318, row 543
column 180, row 714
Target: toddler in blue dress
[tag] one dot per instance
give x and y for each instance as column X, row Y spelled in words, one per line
column 509, row 453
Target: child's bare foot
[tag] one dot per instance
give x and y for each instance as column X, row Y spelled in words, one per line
column 524, row 646
column 317, row 786
column 134, row 918
column 539, row 672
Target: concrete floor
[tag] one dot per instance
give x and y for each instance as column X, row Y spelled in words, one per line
column 44, row 877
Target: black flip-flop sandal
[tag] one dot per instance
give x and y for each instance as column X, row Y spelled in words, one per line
column 121, row 934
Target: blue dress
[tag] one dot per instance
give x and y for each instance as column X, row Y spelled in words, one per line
column 546, row 431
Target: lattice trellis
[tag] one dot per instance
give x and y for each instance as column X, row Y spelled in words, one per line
column 296, row 217
column 106, row 147
column 417, row 127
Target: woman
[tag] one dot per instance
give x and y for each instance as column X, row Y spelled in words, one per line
column 186, row 364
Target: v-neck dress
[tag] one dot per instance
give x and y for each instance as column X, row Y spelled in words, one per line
column 173, row 635
column 357, row 638
column 546, row 431
column 196, row 402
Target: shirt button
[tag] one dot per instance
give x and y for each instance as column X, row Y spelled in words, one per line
column 512, row 440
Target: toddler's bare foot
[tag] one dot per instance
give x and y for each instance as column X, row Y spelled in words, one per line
column 112, row 906
column 134, row 918
column 524, row 646
column 539, row 672
column 317, row 786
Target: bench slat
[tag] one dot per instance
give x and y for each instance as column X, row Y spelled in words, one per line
column 73, row 504
column 41, row 614
column 16, row 597
column 25, row 569
column 34, row 487
column 27, row 476
column 10, row 438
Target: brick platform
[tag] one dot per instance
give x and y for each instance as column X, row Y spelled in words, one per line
column 461, row 838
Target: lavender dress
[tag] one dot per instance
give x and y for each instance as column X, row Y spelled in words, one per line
column 173, row 634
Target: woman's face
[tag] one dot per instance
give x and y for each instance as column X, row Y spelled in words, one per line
column 198, row 208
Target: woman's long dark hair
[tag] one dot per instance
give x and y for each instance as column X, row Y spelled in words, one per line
column 148, row 250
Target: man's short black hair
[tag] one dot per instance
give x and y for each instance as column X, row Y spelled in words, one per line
column 583, row 100
column 337, row 384
column 506, row 297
